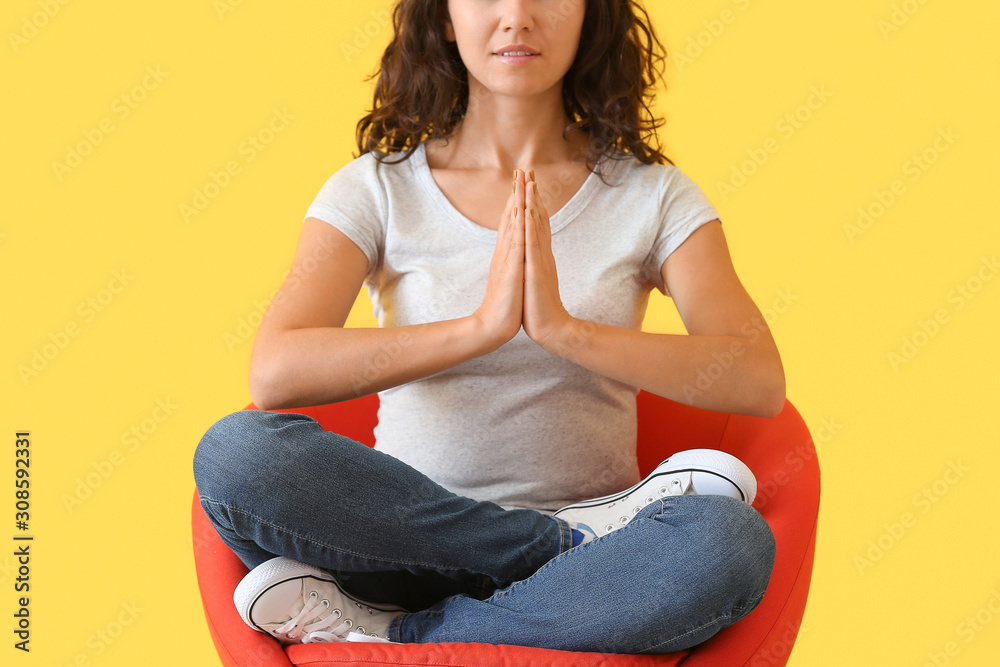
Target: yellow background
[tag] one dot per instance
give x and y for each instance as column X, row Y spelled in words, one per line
column 175, row 330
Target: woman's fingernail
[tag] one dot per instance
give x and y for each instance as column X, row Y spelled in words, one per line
column 515, row 211
column 531, row 175
column 513, row 187
column 534, row 188
column 515, row 174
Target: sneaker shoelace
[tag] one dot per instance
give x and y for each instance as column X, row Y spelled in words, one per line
column 316, row 622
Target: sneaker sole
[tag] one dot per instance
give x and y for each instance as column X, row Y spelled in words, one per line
column 710, row 461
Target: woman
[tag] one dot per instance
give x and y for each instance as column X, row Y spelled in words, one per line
column 507, row 360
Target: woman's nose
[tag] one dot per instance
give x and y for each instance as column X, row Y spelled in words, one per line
column 517, row 15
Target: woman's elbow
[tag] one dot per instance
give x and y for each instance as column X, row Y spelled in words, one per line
column 260, row 393
column 772, row 405
column 771, row 397
column 265, row 385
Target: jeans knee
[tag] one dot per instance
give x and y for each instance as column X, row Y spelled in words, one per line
column 750, row 554
column 213, row 443
column 733, row 548
column 223, row 454
column 760, row 552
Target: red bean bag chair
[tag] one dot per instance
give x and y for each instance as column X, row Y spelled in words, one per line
column 780, row 451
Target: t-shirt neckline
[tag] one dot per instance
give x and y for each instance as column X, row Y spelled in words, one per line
column 570, row 210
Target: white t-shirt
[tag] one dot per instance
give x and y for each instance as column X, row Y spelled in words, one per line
column 519, row 426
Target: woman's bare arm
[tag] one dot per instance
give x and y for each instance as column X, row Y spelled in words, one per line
column 728, row 362
column 303, row 355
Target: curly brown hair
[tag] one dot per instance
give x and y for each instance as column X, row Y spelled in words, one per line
column 422, row 90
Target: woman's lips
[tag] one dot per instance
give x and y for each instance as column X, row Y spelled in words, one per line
column 511, row 59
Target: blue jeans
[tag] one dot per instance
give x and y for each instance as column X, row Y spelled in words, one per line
column 277, row 484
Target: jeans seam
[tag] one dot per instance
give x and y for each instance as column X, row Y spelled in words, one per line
column 204, row 500
column 714, row 621
column 565, row 535
column 738, row 612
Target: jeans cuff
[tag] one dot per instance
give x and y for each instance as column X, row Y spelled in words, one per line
column 565, row 535
column 393, row 631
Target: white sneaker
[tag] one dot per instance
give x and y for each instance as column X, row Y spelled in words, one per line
column 298, row 604
column 691, row 472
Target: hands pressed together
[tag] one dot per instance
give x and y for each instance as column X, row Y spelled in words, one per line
column 523, row 286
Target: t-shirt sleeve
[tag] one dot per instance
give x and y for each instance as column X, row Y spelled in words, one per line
column 353, row 201
column 683, row 208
